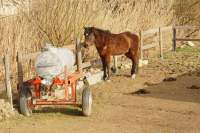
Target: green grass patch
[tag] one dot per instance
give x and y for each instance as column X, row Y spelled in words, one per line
column 189, row 49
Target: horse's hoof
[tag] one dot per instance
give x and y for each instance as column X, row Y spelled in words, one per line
column 108, row 80
column 114, row 70
column 133, row 76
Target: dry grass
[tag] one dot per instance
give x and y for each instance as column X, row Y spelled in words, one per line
column 61, row 21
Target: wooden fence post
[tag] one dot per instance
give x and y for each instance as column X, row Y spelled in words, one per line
column 20, row 72
column 78, row 54
column 7, row 79
column 174, row 39
column 141, row 46
column 160, row 43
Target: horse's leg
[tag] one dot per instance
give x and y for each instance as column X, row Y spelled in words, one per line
column 104, row 67
column 114, row 68
column 133, row 69
column 107, row 60
column 133, row 58
column 135, row 61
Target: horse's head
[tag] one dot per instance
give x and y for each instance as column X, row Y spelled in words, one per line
column 89, row 36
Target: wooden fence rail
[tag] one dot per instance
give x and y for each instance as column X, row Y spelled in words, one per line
column 156, row 31
column 185, row 27
column 159, row 32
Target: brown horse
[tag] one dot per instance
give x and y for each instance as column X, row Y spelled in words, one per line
column 109, row 44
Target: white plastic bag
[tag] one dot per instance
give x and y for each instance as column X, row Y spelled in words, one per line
column 52, row 62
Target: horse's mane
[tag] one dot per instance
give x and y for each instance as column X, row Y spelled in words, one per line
column 102, row 31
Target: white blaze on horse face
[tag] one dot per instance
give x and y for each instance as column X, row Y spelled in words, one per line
column 89, row 39
column 133, row 76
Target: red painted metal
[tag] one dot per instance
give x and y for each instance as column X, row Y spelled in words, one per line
column 55, row 102
column 74, row 89
column 58, row 81
column 69, row 80
column 36, row 83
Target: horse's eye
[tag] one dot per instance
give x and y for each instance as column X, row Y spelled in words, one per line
column 86, row 34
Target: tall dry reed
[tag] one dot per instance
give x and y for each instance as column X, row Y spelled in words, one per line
column 60, row 22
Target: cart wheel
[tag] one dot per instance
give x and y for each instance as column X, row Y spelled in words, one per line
column 86, row 101
column 25, row 101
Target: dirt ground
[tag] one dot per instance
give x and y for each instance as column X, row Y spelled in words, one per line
column 119, row 107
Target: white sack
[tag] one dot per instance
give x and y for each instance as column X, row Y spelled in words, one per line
column 52, row 62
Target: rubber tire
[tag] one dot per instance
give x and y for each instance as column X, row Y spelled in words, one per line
column 25, row 95
column 86, row 102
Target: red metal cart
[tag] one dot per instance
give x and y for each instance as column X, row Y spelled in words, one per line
column 62, row 90
column 31, row 93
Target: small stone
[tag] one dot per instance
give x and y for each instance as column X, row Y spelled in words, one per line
column 145, row 62
column 191, row 44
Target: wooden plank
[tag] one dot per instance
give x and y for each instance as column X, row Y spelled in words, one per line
column 78, row 54
column 20, row 74
column 83, row 65
column 148, row 46
column 160, row 43
column 141, row 45
column 174, row 39
column 7, row 79
column 151, row 31
column 186, row 39
column 167, row 28
column 187, row 27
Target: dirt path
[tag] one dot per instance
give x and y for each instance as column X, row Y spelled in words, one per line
column 169, row 107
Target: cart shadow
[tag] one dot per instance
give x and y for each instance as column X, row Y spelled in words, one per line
column 73, row 111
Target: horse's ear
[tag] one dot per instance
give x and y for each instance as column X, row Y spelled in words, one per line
column 85, row 28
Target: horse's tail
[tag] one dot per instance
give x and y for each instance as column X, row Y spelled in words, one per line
column 138, row 51
column 139, row 46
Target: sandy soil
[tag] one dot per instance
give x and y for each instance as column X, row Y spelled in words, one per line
column 166, row 107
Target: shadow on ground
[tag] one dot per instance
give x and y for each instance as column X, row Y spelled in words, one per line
column 183, row 88
column 73, row 111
